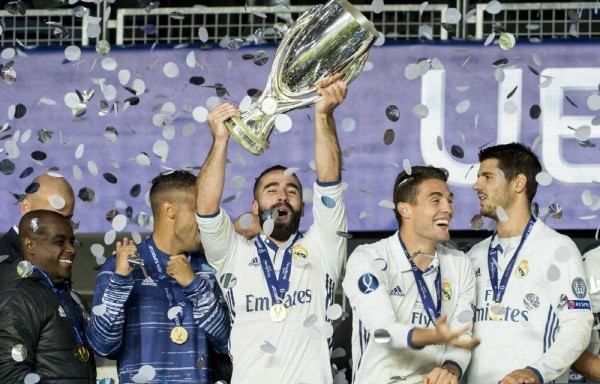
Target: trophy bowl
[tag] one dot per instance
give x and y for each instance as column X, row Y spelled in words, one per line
column 333, row 38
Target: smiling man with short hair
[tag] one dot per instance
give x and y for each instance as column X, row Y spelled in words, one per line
column 408, row 291
column 50, row 192
column 42, row 320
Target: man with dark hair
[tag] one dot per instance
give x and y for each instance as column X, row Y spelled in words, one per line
column 48, row 192
column 42, row 320
column 165, row 314
column 281, row 278
column 408, row 291
column 530, row 280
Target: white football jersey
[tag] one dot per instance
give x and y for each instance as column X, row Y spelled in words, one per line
column 382, row 290
column 591, row 261
column 547, row 317
column 295, row 350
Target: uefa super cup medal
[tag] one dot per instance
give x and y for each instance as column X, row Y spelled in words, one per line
column 278, row 313
column 81, row 353
column 333, row 38
column 497, row 311
column 179, row 335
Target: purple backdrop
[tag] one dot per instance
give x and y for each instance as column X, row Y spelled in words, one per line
column 467, row 107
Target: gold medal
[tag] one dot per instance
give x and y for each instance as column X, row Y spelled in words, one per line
column 278, row 313
column 179, row 335
column 496, row 312
column 81, row 353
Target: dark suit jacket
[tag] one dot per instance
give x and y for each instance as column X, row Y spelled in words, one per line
column 9, row 245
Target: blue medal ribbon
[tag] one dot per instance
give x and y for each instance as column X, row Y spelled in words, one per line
column 278, row 287
column 432, row 311
column 163, row 280
column 499, row 290
column 75, row 320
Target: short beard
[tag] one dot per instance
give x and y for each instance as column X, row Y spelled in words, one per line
column 281, row 232
column 488, row 214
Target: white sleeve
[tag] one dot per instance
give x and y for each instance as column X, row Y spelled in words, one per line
column 367, row 289
column 465, row 303
column 591, row 262
column 219, row 240
column 329, row 214
column 575, row 324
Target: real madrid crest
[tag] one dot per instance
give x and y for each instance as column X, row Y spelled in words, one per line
column 522, row 269
column 299, row 252
column 446, row 291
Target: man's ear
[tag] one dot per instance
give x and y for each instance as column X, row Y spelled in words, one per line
column 169, row 209
column 28, row 245
column 404, row 210
column 25, row 206
column 254, row 208
column 302, row 210
column 520, row 183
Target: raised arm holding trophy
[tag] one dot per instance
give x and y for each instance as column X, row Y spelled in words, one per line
column 328, row 39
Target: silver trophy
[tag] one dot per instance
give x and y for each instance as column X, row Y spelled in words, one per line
column 325, row 40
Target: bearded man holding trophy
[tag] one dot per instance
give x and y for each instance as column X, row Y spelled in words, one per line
column 280, row 284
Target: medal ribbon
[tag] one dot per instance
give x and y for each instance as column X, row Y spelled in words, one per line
column 499, row 290
column 163, row 280
column 278, row 287
column 432, row 311
column 75, row 320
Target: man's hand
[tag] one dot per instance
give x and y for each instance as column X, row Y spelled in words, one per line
column 442, row 330
column 520, row 376
column 333, row 92
column 440, row 375
column 180, row 269
column 123, row 251
column 216, row 120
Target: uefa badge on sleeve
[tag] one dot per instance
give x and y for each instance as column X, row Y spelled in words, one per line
column 367, row 283
column 579, row 288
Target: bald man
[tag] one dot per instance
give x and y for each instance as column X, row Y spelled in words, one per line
column 53, row 193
